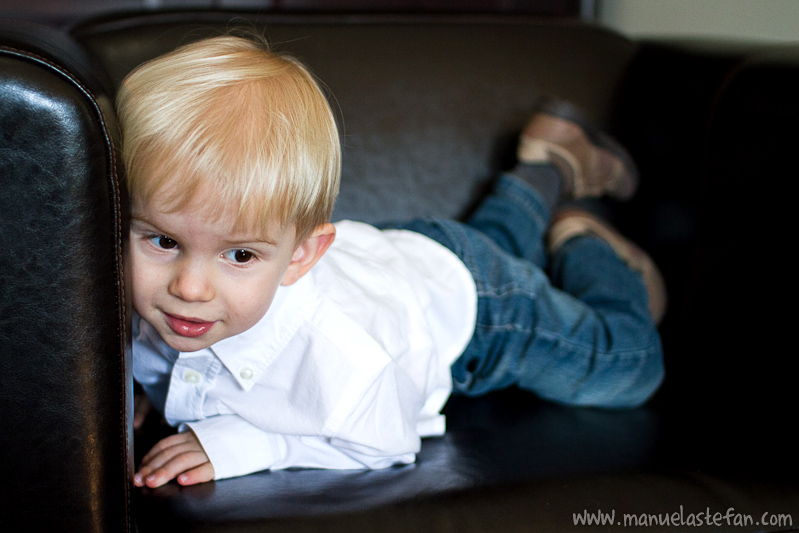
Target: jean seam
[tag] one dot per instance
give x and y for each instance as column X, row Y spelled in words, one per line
column 509, row 289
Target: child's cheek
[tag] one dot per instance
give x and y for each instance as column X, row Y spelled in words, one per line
column 141, row 282
column 130, row 276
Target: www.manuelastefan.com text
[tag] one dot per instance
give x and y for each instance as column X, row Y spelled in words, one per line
column 729, row 518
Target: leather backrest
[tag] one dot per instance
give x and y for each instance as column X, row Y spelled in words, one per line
column 65, row 396
column 430, row 106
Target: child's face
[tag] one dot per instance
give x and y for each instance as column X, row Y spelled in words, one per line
column 197, row 282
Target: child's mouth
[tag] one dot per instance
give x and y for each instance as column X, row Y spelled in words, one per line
column 187, row 327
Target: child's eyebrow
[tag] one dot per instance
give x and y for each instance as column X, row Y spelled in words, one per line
column 134, row 218
column 252, row 240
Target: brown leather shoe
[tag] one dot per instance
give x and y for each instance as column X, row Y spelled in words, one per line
column 572, row 222
column 592, row 163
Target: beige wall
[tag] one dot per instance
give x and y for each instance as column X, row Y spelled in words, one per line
column 763, row 20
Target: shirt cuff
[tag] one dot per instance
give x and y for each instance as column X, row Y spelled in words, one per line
column 235, row 447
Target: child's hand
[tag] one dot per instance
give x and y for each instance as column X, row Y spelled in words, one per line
column 179, row 456
column 142, row 407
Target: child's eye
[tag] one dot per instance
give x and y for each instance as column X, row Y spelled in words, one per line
column 239, row 256
column 162, row 241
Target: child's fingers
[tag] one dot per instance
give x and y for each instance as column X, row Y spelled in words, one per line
column 167, row 444
column 177, row 465
column 172, row 456
column 200, row 474
column 155, row 461
column 148, row 468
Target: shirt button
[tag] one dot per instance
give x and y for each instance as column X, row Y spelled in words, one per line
column 246, row 373
column 192, row 377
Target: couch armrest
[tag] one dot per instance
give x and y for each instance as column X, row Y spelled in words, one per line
column 745, row 275
column 713, row 126
column 65, row 398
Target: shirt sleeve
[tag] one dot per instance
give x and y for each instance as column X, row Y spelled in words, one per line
column 235, row 447
column 376, row 431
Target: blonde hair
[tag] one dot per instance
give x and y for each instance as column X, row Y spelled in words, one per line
column 226, row 122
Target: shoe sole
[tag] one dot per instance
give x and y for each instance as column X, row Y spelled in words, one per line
column 570, row 223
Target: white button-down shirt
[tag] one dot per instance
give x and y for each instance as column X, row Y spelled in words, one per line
column 349, row 368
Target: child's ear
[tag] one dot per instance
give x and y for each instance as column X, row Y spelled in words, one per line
column 308, row 252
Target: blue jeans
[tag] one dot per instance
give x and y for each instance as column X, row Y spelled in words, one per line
column 579, row 335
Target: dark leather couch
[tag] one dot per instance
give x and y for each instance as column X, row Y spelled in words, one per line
column 430, row 108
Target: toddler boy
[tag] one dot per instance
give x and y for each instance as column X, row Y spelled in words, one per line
column 274, row 339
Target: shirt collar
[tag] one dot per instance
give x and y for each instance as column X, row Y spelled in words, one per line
column 250, row 353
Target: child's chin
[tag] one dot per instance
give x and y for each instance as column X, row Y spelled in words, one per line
column 188, row 344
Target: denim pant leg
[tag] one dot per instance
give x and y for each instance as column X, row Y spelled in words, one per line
column 589, row 342
column 516, row 218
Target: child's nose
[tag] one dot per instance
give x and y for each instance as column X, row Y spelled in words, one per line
column 191, row 282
